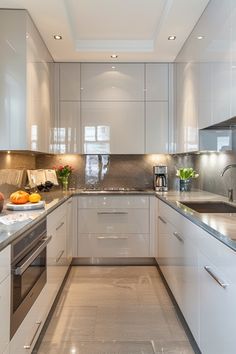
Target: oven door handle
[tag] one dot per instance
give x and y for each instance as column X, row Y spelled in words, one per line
column 20, row 270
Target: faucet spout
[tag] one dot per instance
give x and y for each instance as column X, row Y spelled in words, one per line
column 233, row 165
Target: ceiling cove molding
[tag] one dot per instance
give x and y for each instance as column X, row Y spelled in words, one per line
column 114, row 45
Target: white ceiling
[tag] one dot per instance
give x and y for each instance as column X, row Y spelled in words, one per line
column 136, row 30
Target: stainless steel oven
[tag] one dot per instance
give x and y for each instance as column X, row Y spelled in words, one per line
column 28, row 271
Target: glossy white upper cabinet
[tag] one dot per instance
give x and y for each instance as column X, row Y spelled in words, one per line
column 69, row 127
column 157, row 76
column 112, row 127
column 157, row 127
column 12, row 80
column 213, row 58
column 26, row 72
column 112, row 82
column 39, row 91
column 70, row 81
column 186, row 110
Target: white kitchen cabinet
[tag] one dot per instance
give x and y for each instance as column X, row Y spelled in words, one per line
column 69, row 81
column 5, row 263
column 186, row 123
column 157, row 82
column 112, row 127
column 217, row 309
column 114, row 226
column 57, row 261
column 26, row 109
column 157, row 128
column 71, row 214
column 177, row 258
column 5, row 298
column 69, row 128
column 112, row 82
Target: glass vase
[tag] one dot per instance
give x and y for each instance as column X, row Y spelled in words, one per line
column 64, row 183
column 185, row 185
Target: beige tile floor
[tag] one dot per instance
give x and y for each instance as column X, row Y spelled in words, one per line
column 114, row 310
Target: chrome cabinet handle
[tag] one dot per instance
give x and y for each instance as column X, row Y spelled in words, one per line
column 28, row 346
column 210, row 271
column 177, row 235
column 59, row 257
column 58, row 227
column 112, row 212
column 20, row 270
column 162, row 220
column 112, row 237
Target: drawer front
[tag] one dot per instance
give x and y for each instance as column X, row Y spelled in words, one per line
column 99, row 221
column 103, row 245
column 5, row 262
column 115, row 201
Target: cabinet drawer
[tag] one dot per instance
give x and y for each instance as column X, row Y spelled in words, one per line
column 5, row 262
column 111, row 221
column 103, row 245
column 93, row 202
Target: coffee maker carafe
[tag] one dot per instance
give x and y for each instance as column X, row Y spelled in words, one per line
column 160, row 178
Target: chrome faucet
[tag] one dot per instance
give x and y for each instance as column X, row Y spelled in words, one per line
column 230, row 190
column 227, row 168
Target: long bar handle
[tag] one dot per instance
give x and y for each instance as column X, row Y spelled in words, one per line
column 59, row 257
column 61, row 224
column 112, row 237
column 20, row 270
column 112, row 212
column 162, row 220
column 222, row 283
column 177, row 235
column 28, row 346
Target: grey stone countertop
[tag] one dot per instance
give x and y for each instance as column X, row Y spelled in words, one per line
column 220, row 225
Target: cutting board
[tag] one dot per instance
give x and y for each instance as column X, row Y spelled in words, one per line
column 27, row 206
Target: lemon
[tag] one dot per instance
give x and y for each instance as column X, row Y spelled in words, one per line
column 34, row 198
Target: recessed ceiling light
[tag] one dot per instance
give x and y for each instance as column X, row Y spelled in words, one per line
column 200, row 37
column 171, row 38
column 114, row 56
column 113, row 67
column 57, row 37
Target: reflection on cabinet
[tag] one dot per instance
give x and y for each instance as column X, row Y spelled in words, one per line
column 26, row 98
column 112, row 127
column 112, row 82
column 69, row 128
column 112, row 98
column 157, row 85
column 186, row 125
column 114, row 226
column 157, row 127
column 69, row 82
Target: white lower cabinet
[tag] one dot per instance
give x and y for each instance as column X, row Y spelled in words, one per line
column 27, row 334
column 217, row 309
column 201, row 273
column 114, row 226
column 57, row 262
column 5, row 296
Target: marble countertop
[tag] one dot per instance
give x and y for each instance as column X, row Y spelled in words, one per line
column 220, row 225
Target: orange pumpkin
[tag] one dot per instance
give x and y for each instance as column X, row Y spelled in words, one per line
column 19, row 197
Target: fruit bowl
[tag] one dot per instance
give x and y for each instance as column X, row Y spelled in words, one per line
column 1, row 202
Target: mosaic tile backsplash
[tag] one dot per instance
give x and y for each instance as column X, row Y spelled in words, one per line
column 130, row 171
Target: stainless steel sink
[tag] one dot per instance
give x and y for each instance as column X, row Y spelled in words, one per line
column 210, row 206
